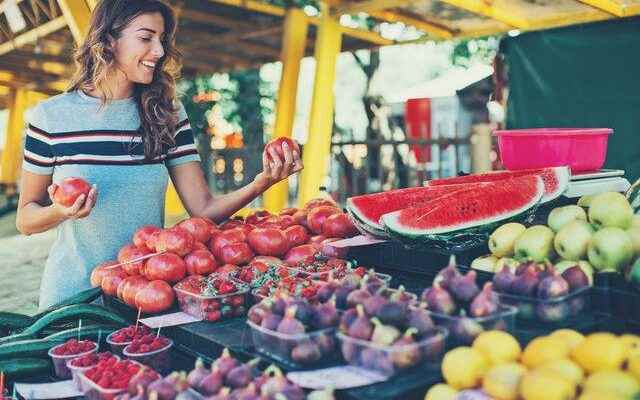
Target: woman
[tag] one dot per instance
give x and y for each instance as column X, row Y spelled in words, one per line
column 121, row 128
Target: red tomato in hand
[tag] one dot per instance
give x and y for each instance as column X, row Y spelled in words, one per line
column 129, row 287
column 69, row 189
column 167, row 267
column 225, row 238
column 296, row 235
column 339, row 226
column 111, row 280
column 298, row 254
column 142, row 235
column 318, row 215
column 100, row 271
column 236, row 253
column 200, row 262
column 276, row 144
column 156, row 297
column 268, row 241
column 131, row 252
column 175, row 240
column 199, row 228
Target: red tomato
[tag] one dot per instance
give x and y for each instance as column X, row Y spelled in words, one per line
column 156, row 297
column 257, row 216
column 111, row 280
column 228, row 269
column 288, row 211
column 167, row 267
column 99, row 272
column 268, row 241
column 230, row 224
column 236, row 253
column 129, row 287
column 317, row 239
column 246, row 228
column 296, row 235
column 339, row 226
column 175, row 240
column 131, row 252
column 152, row 240
column 199, row 246
column 318, row 215
column 225, row 238
column 286, row 221
column 199, row 228
column 69, row 189
column 298, row 254
column 142, row 235
column 333, row 252
column 200, row 262
column 300, row 217
column 276, row 144
column 319, row 203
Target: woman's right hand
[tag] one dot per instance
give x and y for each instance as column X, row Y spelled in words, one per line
column 80, row 209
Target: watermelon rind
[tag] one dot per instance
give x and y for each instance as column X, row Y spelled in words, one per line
column 366, row 229
column 633, row 195
column 563, row 177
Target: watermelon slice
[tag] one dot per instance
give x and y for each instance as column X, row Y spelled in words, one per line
column 556, row 179
column 471, row 208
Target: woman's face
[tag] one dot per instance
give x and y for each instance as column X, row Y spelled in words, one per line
column 139, row 47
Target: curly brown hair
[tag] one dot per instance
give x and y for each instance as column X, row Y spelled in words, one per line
column 156, row 102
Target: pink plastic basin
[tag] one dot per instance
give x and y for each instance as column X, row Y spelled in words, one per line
column 581, row 149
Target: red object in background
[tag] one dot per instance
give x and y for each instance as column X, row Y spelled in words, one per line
column 417, row 118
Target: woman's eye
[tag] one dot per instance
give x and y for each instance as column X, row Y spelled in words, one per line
column 145, row 39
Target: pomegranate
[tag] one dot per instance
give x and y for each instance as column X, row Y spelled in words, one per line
column 176, row 240
column 167, row 267
column 276, row 144
column 111, row 280
column 317, row 216
column 142, row 235
column 130, row 287
column 100, row 271
column 296, row 235
column 130, row 252
column 200, row 262
column 156, row 297
column 225, row 238
column 304, row 253
column 339, row 226
column 199, row 228
column 268, row 241
column 236, row 253
column 69, row 189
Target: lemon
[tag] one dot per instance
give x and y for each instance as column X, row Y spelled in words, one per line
column 599, row 351
column 633, row 365
column 571, row 337
column 541, row 385
column 631, row 343
column 618, row 383
column 501, row 381
column 565, row 369
column 463, row 367
column 498, row 346
column 543, row 349
column 441, row 391
column 599, row 395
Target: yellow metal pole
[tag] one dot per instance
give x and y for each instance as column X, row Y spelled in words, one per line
column 294, row 41
column 318, row 147
column 12, row 151
column 77, row 14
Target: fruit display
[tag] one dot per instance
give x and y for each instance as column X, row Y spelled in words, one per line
column 86, row 362
column 564, row 365
column 151, row 350
column 119, row 339
column 294, row 331
column 68, row 350
column 213, row 297
column 456, row 302
column 354, row 288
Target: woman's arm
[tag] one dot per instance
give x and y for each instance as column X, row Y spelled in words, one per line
column 193, row 190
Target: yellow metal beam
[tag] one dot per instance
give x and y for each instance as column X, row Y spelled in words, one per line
column 33, row 35
column 318, row 147
column 619, row 8
column 368, row 6
column 78, row 15
column 487, row 9
column 294, row 43
column 427, row 27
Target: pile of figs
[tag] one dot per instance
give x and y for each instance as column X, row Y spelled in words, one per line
column 540, row 292
column 389, row 335
column 293, row 330
column 456, row 302
column 353, row 288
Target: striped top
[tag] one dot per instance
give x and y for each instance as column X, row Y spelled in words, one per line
column 73, row 135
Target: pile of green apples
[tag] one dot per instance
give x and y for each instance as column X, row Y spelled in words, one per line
column 599, row 234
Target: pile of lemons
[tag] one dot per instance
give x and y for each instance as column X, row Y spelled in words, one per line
column 561, row 366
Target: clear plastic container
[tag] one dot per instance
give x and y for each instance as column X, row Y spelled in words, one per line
column 116, row 348
column 390, row 360
column 77, row 371
column 557, row 311
column 463, row 330
column 60, row 362
column 214, row 308
column 581, row 149
column 259, row 294
column 93, row 391
column 299, row 350
column 159, row 360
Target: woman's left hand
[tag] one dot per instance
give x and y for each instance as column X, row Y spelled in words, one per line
column 276, row 168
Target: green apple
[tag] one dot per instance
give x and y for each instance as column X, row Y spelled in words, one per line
column 635, row 222
column 535, row 243
column 634, row 234
column 560, row 216
column 585, row 201
column 503, row 239
column 572, row 241
column 610, row 209
column 485, row 263
column 610, row 249
column 564, row 265
column 508, row 262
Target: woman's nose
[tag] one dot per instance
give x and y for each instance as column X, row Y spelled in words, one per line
column 158, row 49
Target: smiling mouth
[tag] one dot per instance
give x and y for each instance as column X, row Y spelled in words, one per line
column 149, row 64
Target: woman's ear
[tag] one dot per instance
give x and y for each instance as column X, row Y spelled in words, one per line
column 111, row 43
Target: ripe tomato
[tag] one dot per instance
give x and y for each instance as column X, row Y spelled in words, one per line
column 99, row 272
column 288, row 211
column 313, row 203
column 141, row 236
column 300, row 217
column 298, row 254
column 286, row 221
column 152, row 241
column 317, row 239
column 69, row 189
column 339, row 226
column 129, row 287
column 236, row 253
column 111, row 280
column 131, row 252
column 176, row 240
column 257, row 216
column 156, row 297
column 199, row 246
column 318, row 215
column 199, row 228
column 276, row 144
column 296, row 235
column 200, row 262
column 228, row 269
column 333, row 252
column 268, row 241
column 167, row 267
column 225, row 238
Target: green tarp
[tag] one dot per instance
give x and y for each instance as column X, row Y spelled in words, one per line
column 584, row 76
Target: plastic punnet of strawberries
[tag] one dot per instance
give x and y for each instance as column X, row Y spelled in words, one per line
column 113, row 375
column 130, row 333
column 92, row 359
column 322, row 268
column 73, row 346
column 147, row 344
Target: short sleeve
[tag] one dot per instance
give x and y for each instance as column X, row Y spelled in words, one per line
column 38, row 149
column 185, row 149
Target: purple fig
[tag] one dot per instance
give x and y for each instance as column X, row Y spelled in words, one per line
column 198, row 373
column 306, row 353
column 275, row 383
column 405, row 353
column 144, row 377
column 289, row 324
column 188, row 395
column 525, row 265
column 223, row 394
column 225, row 362
column 241, row 375
column 383, row 334
column 401, row 295
column 165, row 389
column 373, row 303
column 341, row 294
column 503, row 280
column 325, row 342
column 552, row 286
column 305, row 312
column 439, row 300
column 372, row 282
column 526, row 283
column 486, row 302
column 358, row 296
column 271, row 321
column 258, row 311
column 211, row 383
column 248, row 393
column 576, row 278
column 420, row 319
column 280, row 304
column 326, row 291
column 393, row 313
column 464, row 288
column 465, row 329
column 326, row 315
column 347, row 318
column 361, row 328
column 446, row 275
